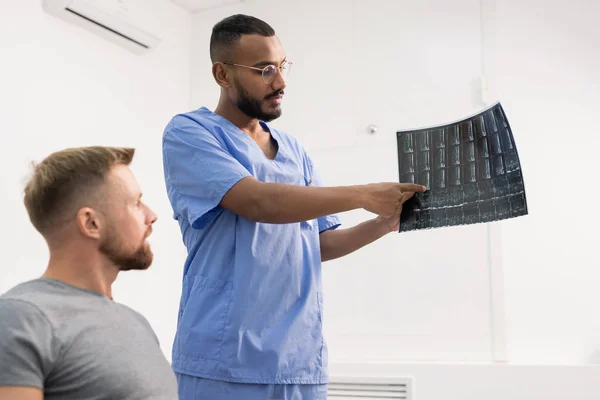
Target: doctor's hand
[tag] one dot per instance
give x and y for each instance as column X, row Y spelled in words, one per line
column 386, row 199
column 392, row 224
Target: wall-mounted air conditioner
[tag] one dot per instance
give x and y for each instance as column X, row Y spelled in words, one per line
column 120, row 21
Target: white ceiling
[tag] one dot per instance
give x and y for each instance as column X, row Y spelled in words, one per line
column 200, row 5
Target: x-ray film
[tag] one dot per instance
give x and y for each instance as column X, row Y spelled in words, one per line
column 471, row 169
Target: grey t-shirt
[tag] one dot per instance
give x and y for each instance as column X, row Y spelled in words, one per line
column 77, row 344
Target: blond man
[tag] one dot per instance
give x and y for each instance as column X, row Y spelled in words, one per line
column 62, row 336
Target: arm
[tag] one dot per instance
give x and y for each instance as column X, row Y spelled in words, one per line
column 27, row 350
column 20, row 393
column 279, row 203
column 341, row 242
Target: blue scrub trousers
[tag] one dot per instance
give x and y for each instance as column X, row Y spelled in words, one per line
column 194, row 388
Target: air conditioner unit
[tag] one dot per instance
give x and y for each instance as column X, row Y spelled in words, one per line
column 120, row 21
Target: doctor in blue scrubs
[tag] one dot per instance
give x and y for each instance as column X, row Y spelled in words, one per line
column 257, row 224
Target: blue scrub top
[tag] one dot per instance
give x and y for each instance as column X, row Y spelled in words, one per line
column 251, row 305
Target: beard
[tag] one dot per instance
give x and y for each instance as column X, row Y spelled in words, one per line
column 140, row 259
column 252, row 107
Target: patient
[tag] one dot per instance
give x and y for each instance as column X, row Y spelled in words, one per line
column 61, row 335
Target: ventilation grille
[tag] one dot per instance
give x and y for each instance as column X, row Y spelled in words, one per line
column 365, row 388
column 123, row 22
column 103, row 26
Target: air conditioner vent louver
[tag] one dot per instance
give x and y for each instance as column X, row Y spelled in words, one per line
column 106, row 27
column 124, row 22
column 366, row 388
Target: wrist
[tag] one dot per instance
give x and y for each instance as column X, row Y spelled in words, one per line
column 383, row 226
column 361, row 197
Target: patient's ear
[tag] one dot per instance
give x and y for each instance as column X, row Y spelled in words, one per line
column 89, row 222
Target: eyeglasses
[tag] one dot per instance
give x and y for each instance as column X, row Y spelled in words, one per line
column 270, row 71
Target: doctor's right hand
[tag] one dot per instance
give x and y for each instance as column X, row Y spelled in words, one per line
column 386, row 199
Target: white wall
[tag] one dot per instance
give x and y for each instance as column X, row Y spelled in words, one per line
column 527, row 313
column 545, row 65
column 61, row 86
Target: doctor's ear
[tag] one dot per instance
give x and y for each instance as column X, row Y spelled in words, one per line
column 221, row 75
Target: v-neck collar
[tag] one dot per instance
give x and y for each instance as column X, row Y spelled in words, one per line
column 272, row 133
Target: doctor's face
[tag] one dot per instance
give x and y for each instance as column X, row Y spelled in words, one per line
column 259, row 76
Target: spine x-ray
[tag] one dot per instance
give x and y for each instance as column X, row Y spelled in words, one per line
column 471, row 169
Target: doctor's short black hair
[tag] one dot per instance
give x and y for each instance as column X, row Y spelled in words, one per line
column 229, row 30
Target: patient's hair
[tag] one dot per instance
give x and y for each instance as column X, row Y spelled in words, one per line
column 228, row 31
column 67, row 180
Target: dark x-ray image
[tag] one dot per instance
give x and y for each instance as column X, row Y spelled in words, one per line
column 471, row 169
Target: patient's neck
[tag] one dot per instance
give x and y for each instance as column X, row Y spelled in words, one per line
column 84, row 268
